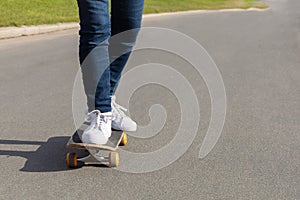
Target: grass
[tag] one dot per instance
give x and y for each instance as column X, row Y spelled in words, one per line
column 33, row 12
column 157, row 6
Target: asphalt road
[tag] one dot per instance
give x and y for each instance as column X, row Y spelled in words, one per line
column 256, row 157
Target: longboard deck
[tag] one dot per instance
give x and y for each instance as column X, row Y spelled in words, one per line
column 93, row 153
column 111, row 145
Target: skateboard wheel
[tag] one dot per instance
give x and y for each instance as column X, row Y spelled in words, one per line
column 123, row 140
column 113, row 159
column 72, row 160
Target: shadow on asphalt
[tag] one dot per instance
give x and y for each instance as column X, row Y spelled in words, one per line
column 49, row 157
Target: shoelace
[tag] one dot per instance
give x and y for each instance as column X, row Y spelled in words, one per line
column 118, row 108
column 100, row 118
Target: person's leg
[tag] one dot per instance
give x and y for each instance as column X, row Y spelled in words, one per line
column 93, row 53
column 94, row 60
column 125, row 15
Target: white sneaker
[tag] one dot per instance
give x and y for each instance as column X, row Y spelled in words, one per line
column 99, row 130
column 120, row 120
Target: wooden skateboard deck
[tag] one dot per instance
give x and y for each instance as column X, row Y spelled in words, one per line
column 118, row 138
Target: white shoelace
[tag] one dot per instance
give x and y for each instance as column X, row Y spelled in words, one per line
column 100, row 118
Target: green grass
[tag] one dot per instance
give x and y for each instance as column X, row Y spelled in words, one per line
column 33, row 12
column 157, row 6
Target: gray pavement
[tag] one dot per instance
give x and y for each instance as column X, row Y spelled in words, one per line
column 256, row 157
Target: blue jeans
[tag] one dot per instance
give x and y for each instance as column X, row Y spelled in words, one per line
column 102, row 57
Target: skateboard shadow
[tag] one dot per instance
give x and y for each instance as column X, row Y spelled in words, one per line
column 49, row 157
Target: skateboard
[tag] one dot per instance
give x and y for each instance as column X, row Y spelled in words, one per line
column 95, row 153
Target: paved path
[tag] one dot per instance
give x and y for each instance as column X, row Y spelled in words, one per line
column 257, row 156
